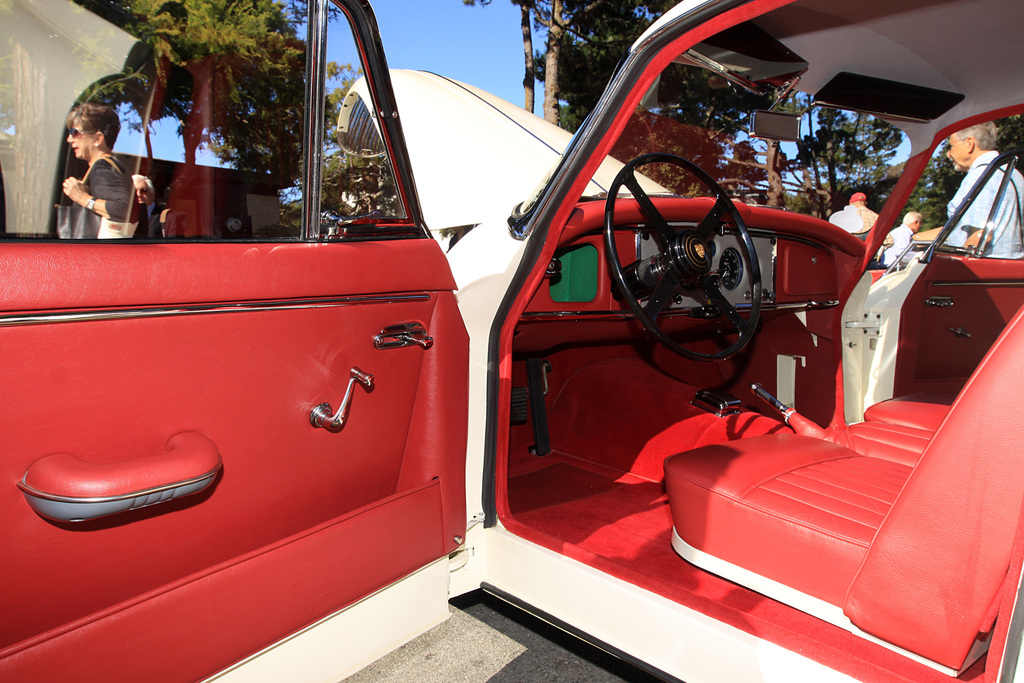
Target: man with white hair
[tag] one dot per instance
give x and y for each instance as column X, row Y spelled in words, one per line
column 149, row 221
column 901, row 238
column 972, row 150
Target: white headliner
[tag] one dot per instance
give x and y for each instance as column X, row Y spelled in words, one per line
column 972, row 47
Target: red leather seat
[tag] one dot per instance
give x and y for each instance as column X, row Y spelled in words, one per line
column 918, row 411
column 911, row 553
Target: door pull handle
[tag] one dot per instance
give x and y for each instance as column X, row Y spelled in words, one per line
column 321, row 415
column 939, row 301
column 406, row 334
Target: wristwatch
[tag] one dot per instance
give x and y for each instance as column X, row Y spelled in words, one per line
column 92, row 203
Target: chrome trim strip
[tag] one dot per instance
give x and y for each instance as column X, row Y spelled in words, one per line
column 981, row 283
column 313, row 116
column 542, row 316
column 12, row 320
column 120, row 497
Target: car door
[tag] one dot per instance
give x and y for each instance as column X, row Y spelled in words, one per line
column 924, row 329
column 223, row 431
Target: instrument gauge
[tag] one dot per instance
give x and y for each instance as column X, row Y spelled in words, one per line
column 730, row 268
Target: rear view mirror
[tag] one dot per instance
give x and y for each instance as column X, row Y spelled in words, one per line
column 775, row 126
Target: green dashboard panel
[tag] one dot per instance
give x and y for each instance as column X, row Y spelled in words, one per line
column 577, row 280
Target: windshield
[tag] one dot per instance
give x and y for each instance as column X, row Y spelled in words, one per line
column 697, row 114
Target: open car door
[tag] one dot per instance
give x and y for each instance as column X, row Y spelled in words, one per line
column 231, row 427
column 922, row 331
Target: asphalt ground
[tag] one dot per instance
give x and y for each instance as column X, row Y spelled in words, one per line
column 486, row 639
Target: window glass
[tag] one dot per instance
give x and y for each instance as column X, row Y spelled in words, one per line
column 356, row 178
column 967, row 182
column 194, row 108
column 694, row 113
column 186, row 120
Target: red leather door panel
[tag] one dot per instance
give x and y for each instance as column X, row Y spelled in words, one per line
column 951, row 317
column 237, row 343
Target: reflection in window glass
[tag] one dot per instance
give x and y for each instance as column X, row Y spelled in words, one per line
column 197, row 110
column 357, row 178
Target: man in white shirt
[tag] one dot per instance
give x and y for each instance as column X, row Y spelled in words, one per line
column 901, row 237
column 972, row 150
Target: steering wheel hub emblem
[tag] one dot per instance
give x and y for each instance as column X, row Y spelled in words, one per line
column 698, row 254
column 690, row 256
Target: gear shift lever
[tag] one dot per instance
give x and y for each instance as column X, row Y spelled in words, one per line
column 800, row 424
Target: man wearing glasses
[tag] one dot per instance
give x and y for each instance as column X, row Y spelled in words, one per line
column 972, row 150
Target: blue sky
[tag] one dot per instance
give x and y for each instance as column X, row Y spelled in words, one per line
column 482, row 46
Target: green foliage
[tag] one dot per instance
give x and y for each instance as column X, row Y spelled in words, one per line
column 598, row 34
column 841, row 153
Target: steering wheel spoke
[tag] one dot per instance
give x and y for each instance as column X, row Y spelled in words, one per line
column 710, row 285
column 649, row 210
column 709, row 224
column 686, row 259
column 659, row 297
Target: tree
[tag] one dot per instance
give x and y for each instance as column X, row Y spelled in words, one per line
column 594, row 33
column 526, row 8
column 844, row 152
column 596, row 37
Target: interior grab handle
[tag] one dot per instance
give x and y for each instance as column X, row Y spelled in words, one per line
column 66, row 488
column 321, row 415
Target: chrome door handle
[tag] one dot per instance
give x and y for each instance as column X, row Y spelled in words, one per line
column 406, row 334
column 321, row 416
column 939, row 301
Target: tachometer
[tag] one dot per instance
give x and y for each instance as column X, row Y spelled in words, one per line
column 730, row 267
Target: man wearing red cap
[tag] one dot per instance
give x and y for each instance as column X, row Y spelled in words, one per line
column 867, row 216
column 856, row 217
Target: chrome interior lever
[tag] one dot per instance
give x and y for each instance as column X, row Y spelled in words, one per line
column 321, row 415
column 759, row 391
column 406, row 334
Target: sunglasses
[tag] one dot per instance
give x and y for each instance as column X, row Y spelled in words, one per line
column 76, row 132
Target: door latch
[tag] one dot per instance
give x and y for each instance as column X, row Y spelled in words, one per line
column 406, row 334
column 939, row 301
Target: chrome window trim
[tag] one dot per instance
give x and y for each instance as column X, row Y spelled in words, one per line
column 32, row 491
column 18, row 319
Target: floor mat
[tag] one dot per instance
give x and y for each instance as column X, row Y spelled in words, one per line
column 555, row 485
column 626, row 531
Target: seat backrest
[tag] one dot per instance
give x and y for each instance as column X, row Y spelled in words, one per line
column 934, row 567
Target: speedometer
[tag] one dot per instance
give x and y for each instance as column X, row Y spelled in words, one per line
column 730, row 268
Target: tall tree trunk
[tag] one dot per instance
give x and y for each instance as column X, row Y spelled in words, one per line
column 28, row 182
column 773, row 160
column 528, row 84
column 556, row 30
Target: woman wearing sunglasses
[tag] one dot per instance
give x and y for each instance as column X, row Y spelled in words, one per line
column 102, row 199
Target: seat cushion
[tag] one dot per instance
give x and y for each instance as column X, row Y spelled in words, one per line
column 919, row 411
column 888, row 441
column 793, row 509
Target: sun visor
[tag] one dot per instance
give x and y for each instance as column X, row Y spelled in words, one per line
column 889, row 99
column 748, row 52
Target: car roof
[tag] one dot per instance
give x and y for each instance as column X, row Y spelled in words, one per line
column 967, row 47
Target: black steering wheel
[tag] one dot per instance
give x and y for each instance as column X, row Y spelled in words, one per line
column 683, row 262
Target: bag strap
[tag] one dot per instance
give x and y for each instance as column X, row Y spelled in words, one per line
column 109, row 158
